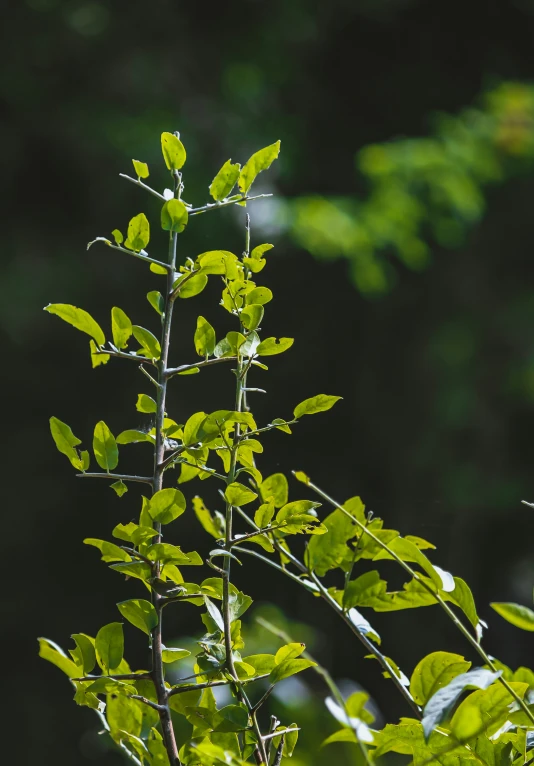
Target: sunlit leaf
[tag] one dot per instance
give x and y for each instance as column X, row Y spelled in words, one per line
column 173, row 151
column 225, row 180
column 138, row 233
column 105, row 447
column 79, row 319
column 140, row 613
column 520, row 616
column 319, row 403
column 259, row 161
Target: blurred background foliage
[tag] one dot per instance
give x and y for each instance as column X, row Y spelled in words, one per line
column 404, row 267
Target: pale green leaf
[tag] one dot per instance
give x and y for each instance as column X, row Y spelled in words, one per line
column 204, row 338
column 167, row 505
column 237, row 494
column 173, row 151
column 141, row 168
column 272, row 346
column 138, row 233
column 79, row 319
column 259, row 161
column 121, row 327
column 319, row 403
column 105, row 447
column 520, row 616
column 174, row 216
column 225, row 180
column 149, row 343
column 109, row 646
column 140, row 613
column 145, row 404
column 435, row 671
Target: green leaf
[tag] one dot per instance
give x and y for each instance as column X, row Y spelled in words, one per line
column 463, row 597
column 109, row 645
column 275, row 486
column 204, row 339
column 264, row 514
column 193, row 286
column 117, row 236
column 173, row 655
column 259, row 161
column 259, row 295
column 441, row 703
column 119, row 487
column 289, row 668
column 145, row 404
column 272, row 346
column 288, row 652
column 105, row 447
column 173, row 151
column 343, row 735
column 51, row 652
column 109, row 551
column 174, row 216
column 221, row 262
column 329, row 551
column 167, row 505
column 156, row 300
column 65, row 441
column 134, row 533
column 435, row 671
column 225, row 180
column 251, row 316
column 206, row 519
column 121, row 327
column 140, row 613
column 485, row 710
column 237, row 494
column 520, row 616
column 84, row 654
column 364, row 590
column 138, row 233
column 148, row 342
column 319, row 403
column 132, row 436
column 97, row 357
column 79, row 319
column 215, row 613
column 141, row 168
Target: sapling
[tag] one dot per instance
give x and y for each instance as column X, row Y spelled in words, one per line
column 136, row 707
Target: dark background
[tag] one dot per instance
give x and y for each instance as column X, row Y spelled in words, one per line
column 435, row 430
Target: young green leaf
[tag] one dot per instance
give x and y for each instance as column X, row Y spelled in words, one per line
column 97, row 357
column 435, row 671
column 121, row 327
column 251, row 316
column 205, row 340
column 145, row 404
column 65, row 440
column 149, row 343
column 259, row 161
column 319, row 403
column 141, row 168
column 79, row 319
column 51, row 652
column 191, row 286
column 174, row 216
column 259, row 295
column 173, row 151
column 132, row 437
column 105, row 447
column 520, row 616
column 237, row 494
column 117, row 236
column 289, row 668
column 275, row 486
column 109, row 551
column 166, row 505
column 173, row 654
column 225, row 180
column 119, row 487
column 84, row 654
column 156, row 300
column 206, row 519
column 272, row 346
column 109, row 645
column 140, row 613
column 138, row 233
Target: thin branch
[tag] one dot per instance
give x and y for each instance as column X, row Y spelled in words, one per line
column 119, row 677
column 123, row 355
column 145, row 701
column 263, row 699
column 209, row 684
column 138, row 182
column 206, row 363
column 143, row 256
column 280, row 733
column 230, row 201
column 116, row 476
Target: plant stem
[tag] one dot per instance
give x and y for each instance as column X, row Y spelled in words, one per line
column 230, row 201
column 206, row 363
column 260, row 752
column 138, row 182
column 446, row 608
column 158, row 675
column 116, row 476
